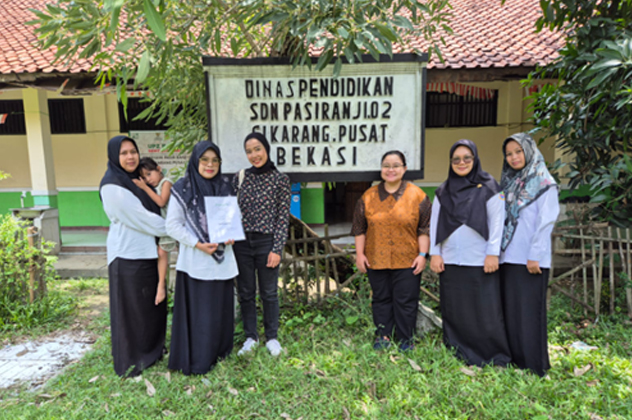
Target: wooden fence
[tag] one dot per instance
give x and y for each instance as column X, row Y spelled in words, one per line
column 595, row 251
column 596, row 254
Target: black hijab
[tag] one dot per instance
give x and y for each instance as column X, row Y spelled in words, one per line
column 116, row 175
column 190, row 190
column 464, row 198
column 268, row 166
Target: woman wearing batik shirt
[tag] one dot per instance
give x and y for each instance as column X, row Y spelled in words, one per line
column 532, row 207
column 264, row 200
column 465, row 234
column 391, row 226
column 137, row 324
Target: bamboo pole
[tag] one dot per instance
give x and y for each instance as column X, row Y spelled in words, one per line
column 593, row 252
column 571, row 272
column 584, row 273
column 326, row 244
column 305, row 266
column 573, row 298
column 317, row 271
column 294, row 269
column 611, row 261
column 599, row 279
column 628, row 290
column 31, row 232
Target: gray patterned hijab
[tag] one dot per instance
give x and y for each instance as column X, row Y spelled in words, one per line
column 522, row 187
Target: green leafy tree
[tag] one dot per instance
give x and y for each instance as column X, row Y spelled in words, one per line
column 158, row 44
column 589, row 111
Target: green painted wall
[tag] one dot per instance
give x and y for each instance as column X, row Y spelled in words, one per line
column 313, row 205
column 11, row 200
column 76, row 208
column 81, row 208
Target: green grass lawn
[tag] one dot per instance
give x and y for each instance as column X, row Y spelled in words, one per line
column 330, row 371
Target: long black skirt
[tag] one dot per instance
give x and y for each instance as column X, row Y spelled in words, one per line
column 472, row 315
column 138, row 326
column 524, row 307
column 203, row 324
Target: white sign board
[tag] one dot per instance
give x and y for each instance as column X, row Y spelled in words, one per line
column 319, row 127
column 152, row 143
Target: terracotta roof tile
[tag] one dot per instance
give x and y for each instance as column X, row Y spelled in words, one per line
column 486, row 35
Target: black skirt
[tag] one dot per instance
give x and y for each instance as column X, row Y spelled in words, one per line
column 524, row 307
column 138, row 326
column 203, row 324
column 472, row 315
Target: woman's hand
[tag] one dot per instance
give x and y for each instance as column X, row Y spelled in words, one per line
column 273, row 260
column 140, row 183
column 208, row 248
column 491, row 264
column 419, row 264
column 230, row 242
column 436, row 264
column 161, row 294
column 533, row 267
column 362, row 263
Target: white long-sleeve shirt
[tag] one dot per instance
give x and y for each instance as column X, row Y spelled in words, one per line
column 465, row 246
column 532, row 238
column 196, row 263
column 133, row 228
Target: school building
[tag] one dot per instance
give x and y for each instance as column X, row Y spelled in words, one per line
column 55, row 125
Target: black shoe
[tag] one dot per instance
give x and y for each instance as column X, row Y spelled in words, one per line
column 381, row 343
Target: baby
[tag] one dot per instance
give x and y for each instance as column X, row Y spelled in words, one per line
column 152, row 176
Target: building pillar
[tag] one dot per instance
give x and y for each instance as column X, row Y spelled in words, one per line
column 40, row 147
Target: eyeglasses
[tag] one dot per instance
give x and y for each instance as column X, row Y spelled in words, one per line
column 214, row 161
column 465, row 159
column 395, row 166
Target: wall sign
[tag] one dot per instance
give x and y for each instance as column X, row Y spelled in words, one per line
column 152, row 143
column 320, row 128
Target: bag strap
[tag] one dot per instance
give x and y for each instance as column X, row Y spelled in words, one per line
column 242, row 175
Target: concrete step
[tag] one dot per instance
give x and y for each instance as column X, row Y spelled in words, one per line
column 81, row 265
column 89, row 249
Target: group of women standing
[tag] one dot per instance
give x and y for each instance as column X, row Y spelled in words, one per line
column 203, row 314
column 489, row 243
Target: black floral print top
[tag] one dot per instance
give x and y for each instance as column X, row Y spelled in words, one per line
column 264, row 201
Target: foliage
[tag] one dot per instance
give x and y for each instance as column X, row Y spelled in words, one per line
column 159, row 43
column 16, row 257
column 330, row 371
column 589, row 109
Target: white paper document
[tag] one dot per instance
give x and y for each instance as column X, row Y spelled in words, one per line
column 224, row 219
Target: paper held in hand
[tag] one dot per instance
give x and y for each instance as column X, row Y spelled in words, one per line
column 224, row 219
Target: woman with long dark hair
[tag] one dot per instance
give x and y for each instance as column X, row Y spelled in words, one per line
column 203, row 311
column 137, row 324
column 465, row 234
column 532, row 207
column 264, row 199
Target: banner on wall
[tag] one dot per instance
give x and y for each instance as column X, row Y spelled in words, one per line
column 320, row 128
column 152, row 143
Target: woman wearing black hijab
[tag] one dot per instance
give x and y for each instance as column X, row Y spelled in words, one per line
column 137, row 324
column 264, row 200
column 203, row 312
column 465, row 235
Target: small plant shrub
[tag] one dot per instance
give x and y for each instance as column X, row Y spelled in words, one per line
column 16, row 258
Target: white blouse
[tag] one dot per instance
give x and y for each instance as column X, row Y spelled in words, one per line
column 465, row 246
column 133, row 228
column 197, row 264
column 532, row 238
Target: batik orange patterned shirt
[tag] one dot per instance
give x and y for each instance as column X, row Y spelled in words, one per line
column 392, row 223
